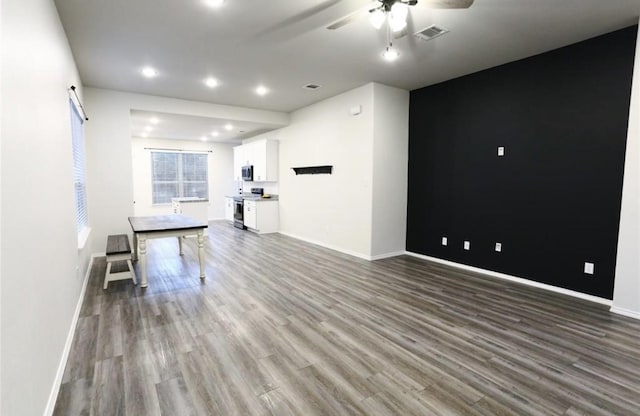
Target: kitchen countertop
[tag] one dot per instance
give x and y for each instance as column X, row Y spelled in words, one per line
column 189, row 199
column 255, row 198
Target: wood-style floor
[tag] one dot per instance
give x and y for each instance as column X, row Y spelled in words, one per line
column 282, row 327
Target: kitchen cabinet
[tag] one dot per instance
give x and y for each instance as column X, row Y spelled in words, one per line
column 261, row 216
column 193, row 207
column 239, row 161
column 228, row 209
column 262, row 154
column 250, row 216
column 265, row 160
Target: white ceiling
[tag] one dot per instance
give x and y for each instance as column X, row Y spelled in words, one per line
column 284, row 45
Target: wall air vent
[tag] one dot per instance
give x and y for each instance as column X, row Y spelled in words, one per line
column 311, row 86
column 431, row 32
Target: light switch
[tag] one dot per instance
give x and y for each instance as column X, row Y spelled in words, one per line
column 500, row 150
column 444, row 241
column 467, row 245
column 588, row 268
column 498, row 247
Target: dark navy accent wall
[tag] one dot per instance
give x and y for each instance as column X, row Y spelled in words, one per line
column 553, row 199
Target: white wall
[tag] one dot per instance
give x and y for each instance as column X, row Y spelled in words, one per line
column 331, row 210
column 626, row 293
column 41, row 267
column 1, row 117
column 390, row 162
column 220, row 165
column 360, row 208
column 110, row 171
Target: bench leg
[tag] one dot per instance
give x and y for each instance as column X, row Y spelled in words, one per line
column 180, row 245
column 106, row 276
column 133, row 273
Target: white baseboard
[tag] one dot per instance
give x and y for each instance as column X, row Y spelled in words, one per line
column 329, row 246
column 343, row 251
column 625, row 312
column 387, row 255
column 516, row 279
column 67, row 346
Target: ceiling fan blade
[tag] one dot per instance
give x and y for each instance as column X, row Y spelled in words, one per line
column 353, row 16
column 314, row 18
column 345, row 20
column 446, row 4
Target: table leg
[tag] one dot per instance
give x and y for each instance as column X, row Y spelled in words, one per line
column 201, row 252
column 143, row 260
column 180, row 245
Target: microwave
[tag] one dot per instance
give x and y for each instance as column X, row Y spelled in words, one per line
column 247, row 173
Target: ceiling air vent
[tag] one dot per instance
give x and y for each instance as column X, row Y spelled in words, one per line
column 431, row 32
column 311, row 86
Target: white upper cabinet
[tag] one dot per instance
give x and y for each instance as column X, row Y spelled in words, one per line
column 262, row 154
column 239, row 161
column 265, row 160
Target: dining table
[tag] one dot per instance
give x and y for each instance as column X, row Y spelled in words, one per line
column 163, row 226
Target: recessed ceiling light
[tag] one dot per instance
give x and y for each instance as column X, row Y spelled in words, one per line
column 148, row 128
column 262, row 90
column 211, row 82
column 228, row 127
column 213, row 3
column 203, row 138
column 154, row 120
column 215, row 134
column 149, row 72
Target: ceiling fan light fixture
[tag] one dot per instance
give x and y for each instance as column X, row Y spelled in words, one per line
column 390, row 54
column 399, row 11
column 377, row 18
column 396, row 24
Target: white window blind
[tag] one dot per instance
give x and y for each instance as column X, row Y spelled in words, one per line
column 79, row 181
column 175, row 175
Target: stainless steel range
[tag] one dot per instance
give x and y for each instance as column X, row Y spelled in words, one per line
column 238, row 212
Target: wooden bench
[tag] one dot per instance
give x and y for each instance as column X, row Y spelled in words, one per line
column 118, row 249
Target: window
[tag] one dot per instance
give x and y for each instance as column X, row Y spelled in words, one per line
column 79, row 180
column 176, row 175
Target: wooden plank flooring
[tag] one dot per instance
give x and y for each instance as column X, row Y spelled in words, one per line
column 282, row 327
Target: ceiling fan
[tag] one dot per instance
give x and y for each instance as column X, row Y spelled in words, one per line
column 395, row 12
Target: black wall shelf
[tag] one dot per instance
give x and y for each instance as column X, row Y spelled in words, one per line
column 313, row 170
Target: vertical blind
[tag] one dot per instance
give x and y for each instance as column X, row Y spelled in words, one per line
column 79, row 180
column 175, row 175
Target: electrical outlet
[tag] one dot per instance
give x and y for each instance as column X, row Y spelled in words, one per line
column 500, row 150
column 467, row 245
column 498, row 247
column 444, row 241
column 588, row 268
